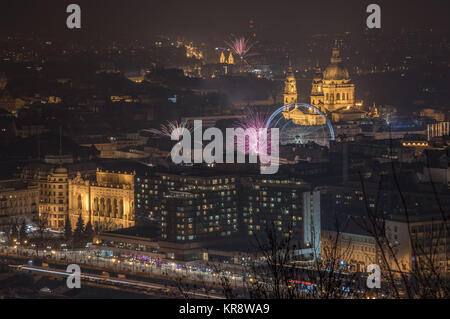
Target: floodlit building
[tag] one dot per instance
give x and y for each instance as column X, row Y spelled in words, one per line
column 333, row 92
column 107, row 202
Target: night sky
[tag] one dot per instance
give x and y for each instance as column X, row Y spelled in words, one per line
column 201, row 19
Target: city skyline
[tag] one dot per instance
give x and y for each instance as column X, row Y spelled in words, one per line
column 224, row 150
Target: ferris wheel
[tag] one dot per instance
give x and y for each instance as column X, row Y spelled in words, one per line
column 301, row 123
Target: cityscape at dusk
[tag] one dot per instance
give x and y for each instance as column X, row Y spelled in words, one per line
column 235, row 152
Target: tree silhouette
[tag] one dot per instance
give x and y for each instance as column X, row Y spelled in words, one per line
column 88, row 231
column 23, row 232
column 68, row 230
column 14, row 232
column 78, row 233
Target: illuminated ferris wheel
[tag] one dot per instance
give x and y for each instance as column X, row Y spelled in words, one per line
column 301, row 123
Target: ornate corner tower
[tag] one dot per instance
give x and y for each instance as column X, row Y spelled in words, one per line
column 230, row 59
column 290, row 87
column 317, row 88
column 222, row 58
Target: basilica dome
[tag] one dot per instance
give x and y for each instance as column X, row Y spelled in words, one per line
column 336, row 72
column 60, row 170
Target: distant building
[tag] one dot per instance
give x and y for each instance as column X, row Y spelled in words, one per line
column 436, row 115
column 438, row 129
column 18, row 201
column 224, row 60
column 115, row 146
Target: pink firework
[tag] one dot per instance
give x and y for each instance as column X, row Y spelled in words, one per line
column 241, row 47
column 256, row 140
column 169, row 127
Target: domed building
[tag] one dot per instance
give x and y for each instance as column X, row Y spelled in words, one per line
column 333, row 92
column 338, row 91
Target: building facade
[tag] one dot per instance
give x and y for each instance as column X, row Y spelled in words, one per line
column 206, row 209
column 423, row 243
column 190, row 207
column 53, row 198
column 107, row 203
column 287, row 205
column 18, row 201
column 354, row 249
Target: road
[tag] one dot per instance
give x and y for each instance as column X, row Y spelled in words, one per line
column 115, row 282
column 167, row 270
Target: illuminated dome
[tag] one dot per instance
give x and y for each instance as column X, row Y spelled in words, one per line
column 336, row 70
column 60, row 170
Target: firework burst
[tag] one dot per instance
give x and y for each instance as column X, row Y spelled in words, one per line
column 241, row 47
column 167, row 128
column 254, row 141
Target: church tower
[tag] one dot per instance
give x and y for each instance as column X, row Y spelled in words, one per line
column 290, row 87
column 230, row 59
column 317, row 88
column 222, row 58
